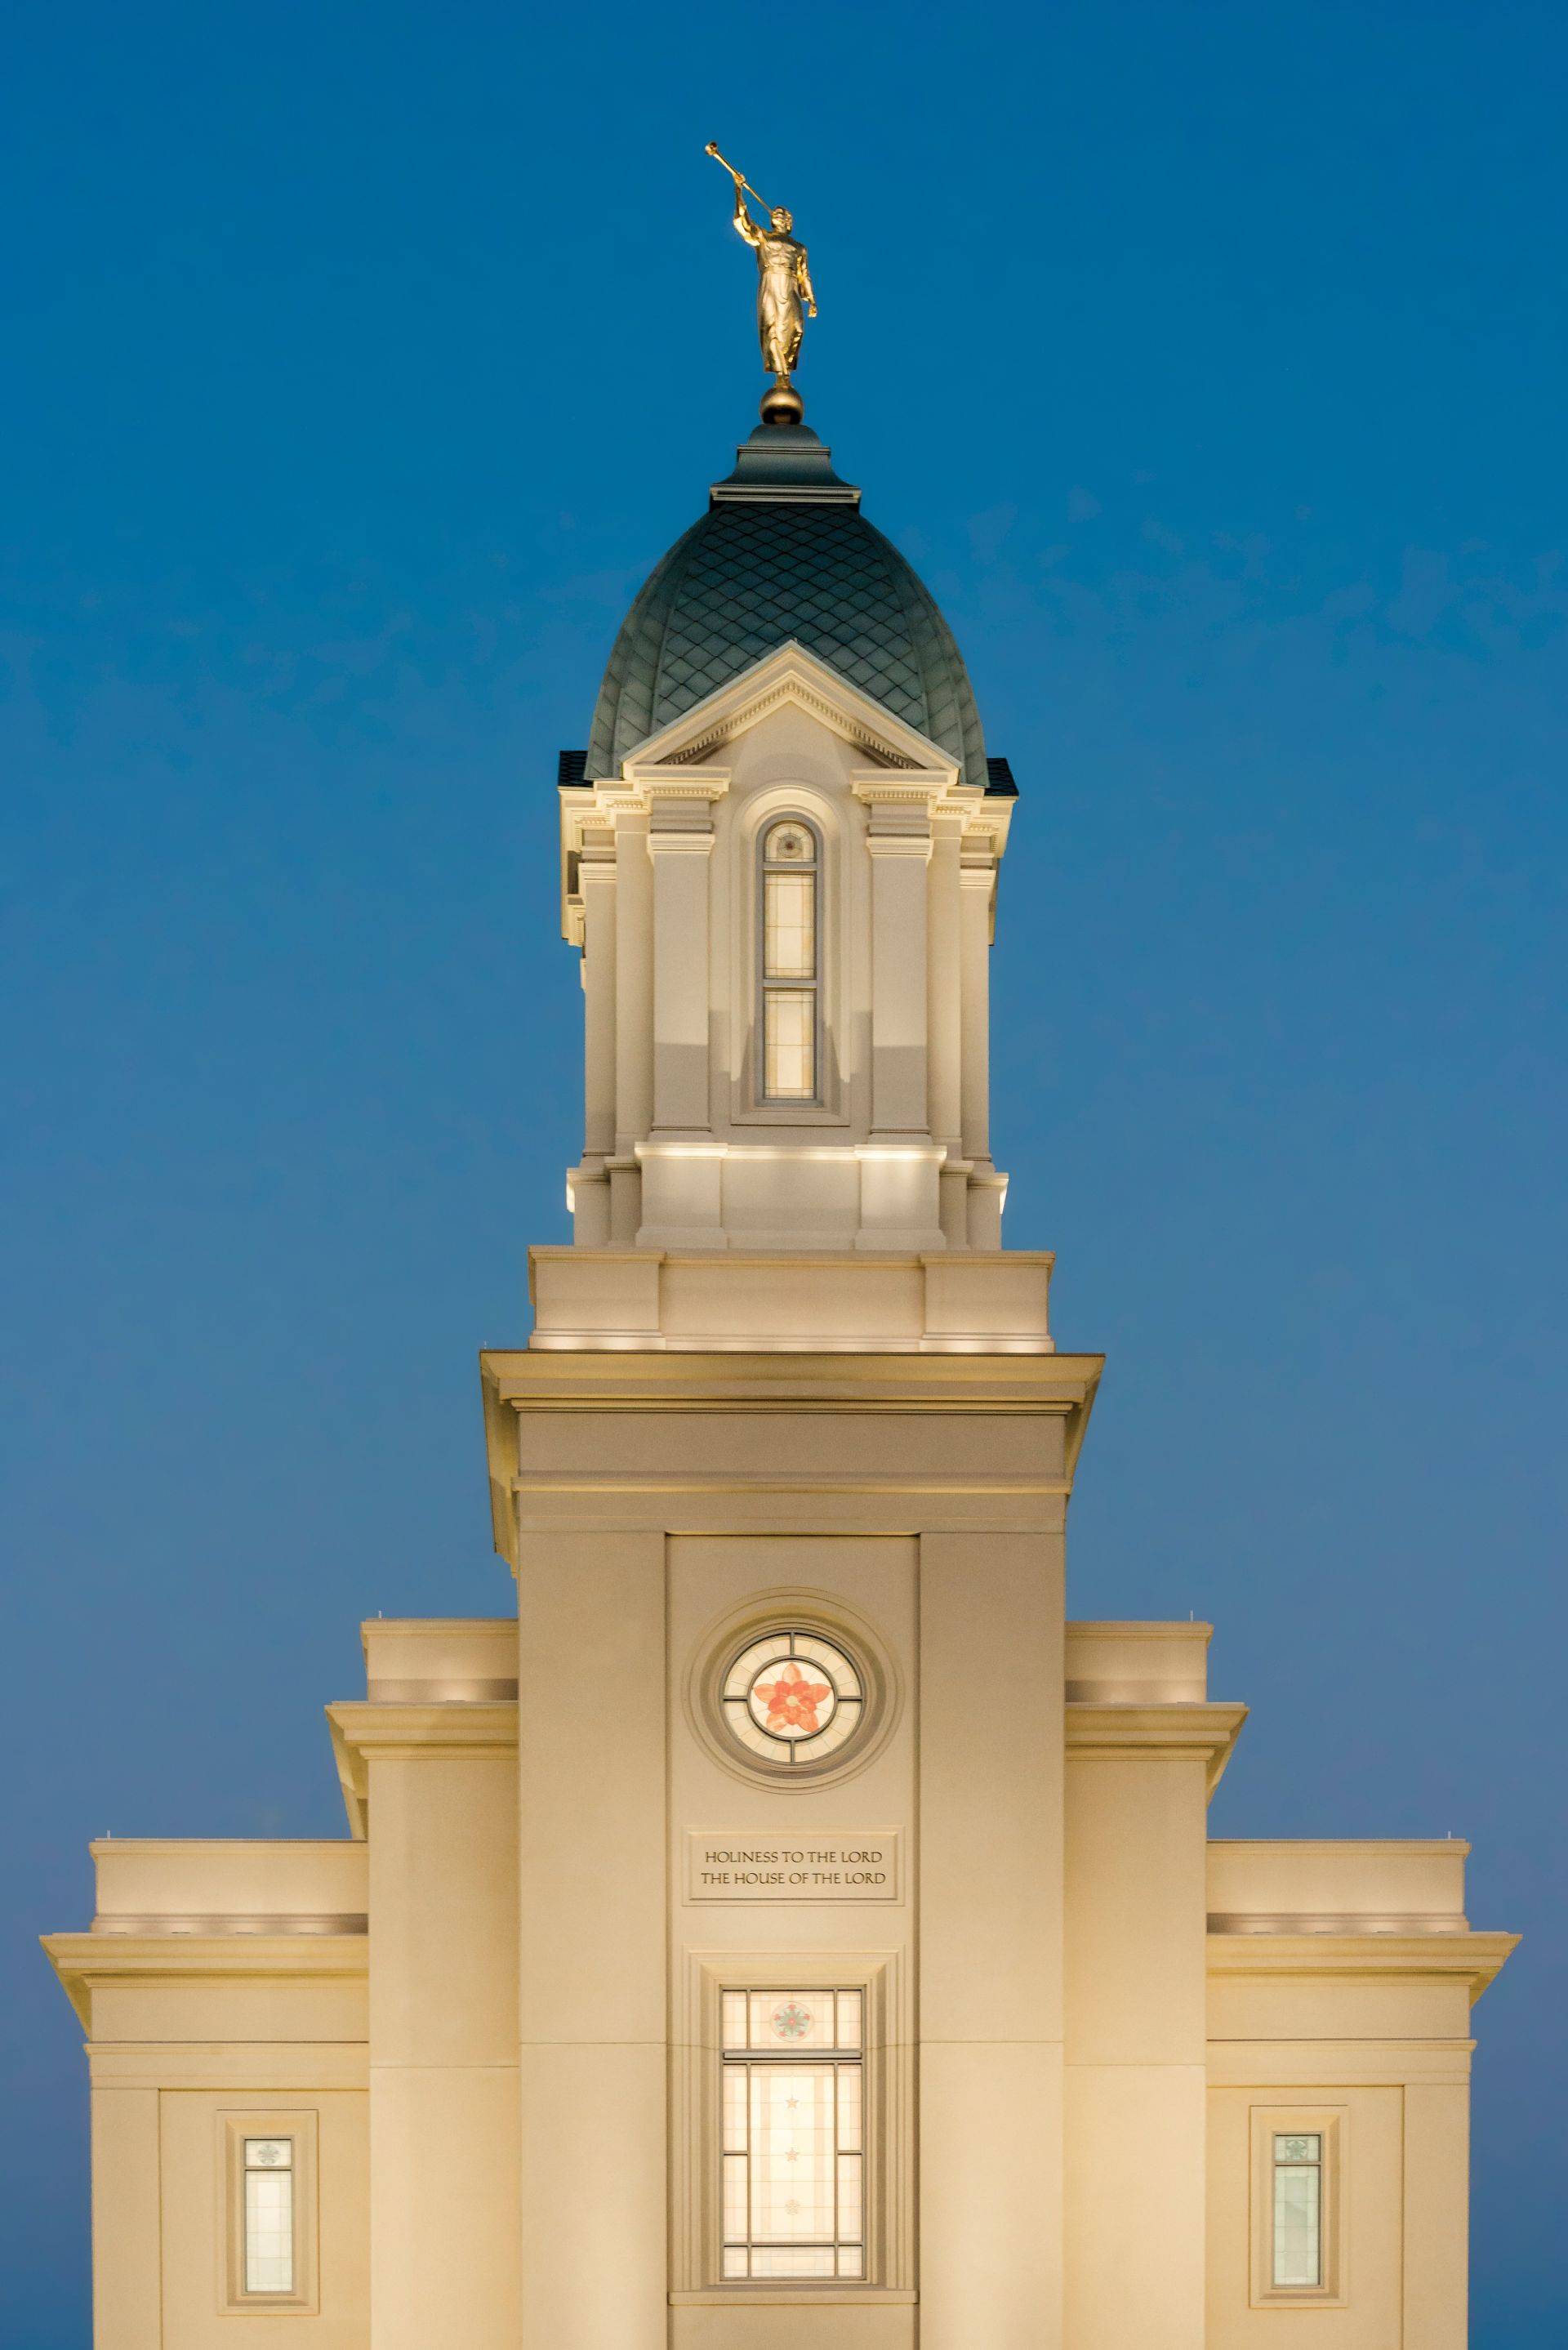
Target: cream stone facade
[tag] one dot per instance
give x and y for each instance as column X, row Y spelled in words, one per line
column 789, row 1926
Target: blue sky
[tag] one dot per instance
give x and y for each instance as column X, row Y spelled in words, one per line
column 1208, row 363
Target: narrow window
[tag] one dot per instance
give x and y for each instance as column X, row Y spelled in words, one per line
column 793, row 2137
column 1298, row 2208
column 269, row 2214
column 790, row 963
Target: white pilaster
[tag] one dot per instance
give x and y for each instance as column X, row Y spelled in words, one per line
column 596, row 875
column 900, row 845
column 682, row 1200
column 591, row 1755
column 991, row 1938
column 590, row 1181
column 977, row 886
column 443, row 2111
column 680, row 841
column 633, row 1022
column 944, row 1022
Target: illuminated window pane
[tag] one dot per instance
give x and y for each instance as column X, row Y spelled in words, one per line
column 775, row 2260
column 739, row 1677
column 793, row 2188
column 1298, row 2210
column 783, row 2020
column 846, row 1680
column 849, row 2108
column 789, row 933
column 734, row 2020
column 735, row 2198
column 789, row 844
column 269, row 2214
column 789, row 1044
column 790, row 972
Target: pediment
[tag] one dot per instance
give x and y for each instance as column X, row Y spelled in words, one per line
column 789, row 675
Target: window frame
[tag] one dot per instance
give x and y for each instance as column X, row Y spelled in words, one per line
column 792, row 1608
column 791, row 1757
column 1329, row 2125
column 300, row 2127
column 697, row 2139
column 778, row 1105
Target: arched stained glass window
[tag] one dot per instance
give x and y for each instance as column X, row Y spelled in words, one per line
column 789, row 1012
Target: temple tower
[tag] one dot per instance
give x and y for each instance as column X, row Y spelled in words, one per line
column 790, row 1929
column 784, row 1473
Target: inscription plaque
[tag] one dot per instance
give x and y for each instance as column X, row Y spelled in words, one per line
column 826, row 1865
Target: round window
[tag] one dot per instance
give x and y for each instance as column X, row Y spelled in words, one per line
column 792, row 1698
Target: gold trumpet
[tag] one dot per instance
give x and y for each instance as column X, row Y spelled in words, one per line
column 739, row 177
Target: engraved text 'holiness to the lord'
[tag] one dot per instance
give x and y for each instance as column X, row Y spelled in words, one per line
column 825, row 1866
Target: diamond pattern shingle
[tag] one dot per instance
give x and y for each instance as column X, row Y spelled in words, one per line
column 748, row 577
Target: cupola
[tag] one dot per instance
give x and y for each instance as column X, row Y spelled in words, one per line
column 779, row 861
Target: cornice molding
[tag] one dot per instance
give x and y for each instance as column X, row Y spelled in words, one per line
column 364, row 1730
column 1207, row 1728
column 828, row 1379
column 230, row 2065
column 88, row 1962
column 215, row 1924
column 1476, row 1959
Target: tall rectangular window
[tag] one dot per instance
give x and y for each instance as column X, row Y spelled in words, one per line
column 791, row 972
column 793, row 2136
column 1298, row 2208
column 268, row 2263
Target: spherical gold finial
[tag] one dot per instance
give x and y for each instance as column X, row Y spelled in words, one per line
column 781, row 404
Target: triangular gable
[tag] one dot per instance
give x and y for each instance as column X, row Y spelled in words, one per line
column 790, row 674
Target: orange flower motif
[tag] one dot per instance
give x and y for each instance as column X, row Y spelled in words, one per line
column 792, row 1701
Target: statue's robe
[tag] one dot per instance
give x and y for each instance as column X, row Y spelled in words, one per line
column 781, row 281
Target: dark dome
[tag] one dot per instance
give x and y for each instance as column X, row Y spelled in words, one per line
column 784, row 552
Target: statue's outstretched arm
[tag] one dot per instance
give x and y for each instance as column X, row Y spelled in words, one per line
column 745, row 226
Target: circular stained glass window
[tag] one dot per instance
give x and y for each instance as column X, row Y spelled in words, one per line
column 792, row 1698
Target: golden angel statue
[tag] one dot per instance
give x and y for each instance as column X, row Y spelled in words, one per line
column 786, row 296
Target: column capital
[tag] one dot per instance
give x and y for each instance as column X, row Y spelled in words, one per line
column 680, row 841
column 680, row 817
column 890, row 786
column 657, row 785
column 915, row 845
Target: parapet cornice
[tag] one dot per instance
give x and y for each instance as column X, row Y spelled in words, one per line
column 1476, row 1959
column 797, row 1380
column 997, row 1479
column 85, row 1963
column 363, row 1728
column 1206, row 1728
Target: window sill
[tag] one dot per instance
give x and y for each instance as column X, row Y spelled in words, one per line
column 1303, row 2296
column 772, row 2295
column 789, row 1113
